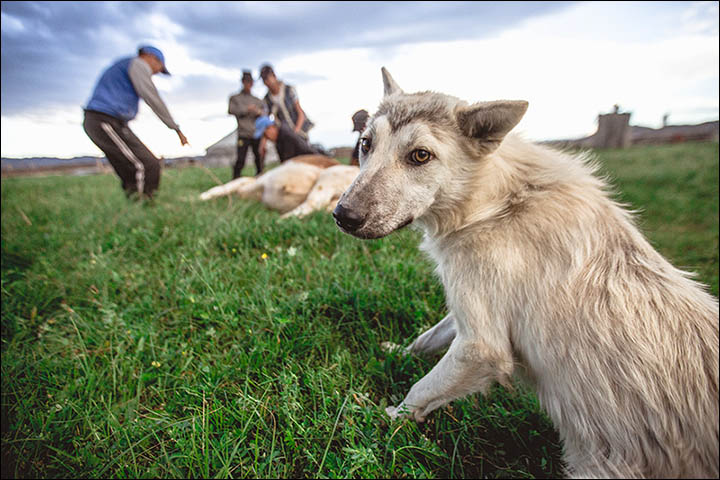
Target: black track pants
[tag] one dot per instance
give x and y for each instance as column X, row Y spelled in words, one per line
column 242, row 149
column 134, row 163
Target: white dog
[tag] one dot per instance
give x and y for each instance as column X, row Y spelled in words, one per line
column 546, row 274
column 296, row 188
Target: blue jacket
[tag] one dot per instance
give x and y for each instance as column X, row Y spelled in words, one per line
column 114, row 93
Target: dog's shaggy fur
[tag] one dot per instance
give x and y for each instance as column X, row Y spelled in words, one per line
column 547, row 276
column 296, row 188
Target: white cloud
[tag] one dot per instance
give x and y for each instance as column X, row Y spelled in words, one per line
column 569, row 65
column 700, row 17
column 568, row 77
column 53, row 134
column 10, row 24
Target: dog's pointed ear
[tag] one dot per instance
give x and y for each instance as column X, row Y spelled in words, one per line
column 389, row 84
column 490, row 120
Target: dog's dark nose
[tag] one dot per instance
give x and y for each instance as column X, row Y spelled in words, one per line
column 348, row 219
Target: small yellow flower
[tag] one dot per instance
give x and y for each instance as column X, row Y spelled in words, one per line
column 234, row 250
column 264, row 256
column 184, row 353
column 155, row 364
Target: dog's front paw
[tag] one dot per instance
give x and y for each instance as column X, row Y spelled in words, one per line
column 394, row 412
column 390, row 347
column 402, row 411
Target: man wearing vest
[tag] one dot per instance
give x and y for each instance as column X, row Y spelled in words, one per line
column 114, row 102
column 281, row 101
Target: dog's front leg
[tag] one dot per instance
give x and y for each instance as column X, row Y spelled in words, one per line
column 432, row 340
column 468, row 366
column 316, row 200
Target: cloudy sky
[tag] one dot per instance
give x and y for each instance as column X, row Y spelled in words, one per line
column 570, row 60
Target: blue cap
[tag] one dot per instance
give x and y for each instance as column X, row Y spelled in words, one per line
column 158, row 54
column 261, row 124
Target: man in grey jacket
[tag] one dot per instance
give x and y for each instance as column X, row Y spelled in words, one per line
column 246, row 108
column 114, row 102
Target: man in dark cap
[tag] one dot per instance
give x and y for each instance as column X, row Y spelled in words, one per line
column 246, row 107
column 359, row 119
column 114, row 102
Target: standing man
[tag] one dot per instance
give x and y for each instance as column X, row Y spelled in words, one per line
column 281, row 101
column 114, row 102
column 359, row 119
column 246, row 109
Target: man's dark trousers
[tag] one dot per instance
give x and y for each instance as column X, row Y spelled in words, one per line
column 134, row 163
column 242, row 148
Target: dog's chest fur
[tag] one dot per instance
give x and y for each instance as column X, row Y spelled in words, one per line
column 473, row 278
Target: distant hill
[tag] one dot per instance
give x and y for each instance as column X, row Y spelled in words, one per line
column 50, row 165
column 84, row 165
column 638, row 135
column 44, row 162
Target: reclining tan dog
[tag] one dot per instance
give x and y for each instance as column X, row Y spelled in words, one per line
column 296, row 188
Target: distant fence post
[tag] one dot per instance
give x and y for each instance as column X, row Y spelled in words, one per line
column 613, row 131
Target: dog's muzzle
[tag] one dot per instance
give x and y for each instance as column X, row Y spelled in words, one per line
column 348, row 220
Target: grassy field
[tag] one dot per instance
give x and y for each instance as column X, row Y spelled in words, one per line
column 192, row 339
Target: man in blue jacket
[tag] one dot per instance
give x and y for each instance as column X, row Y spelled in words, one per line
column 114, row 102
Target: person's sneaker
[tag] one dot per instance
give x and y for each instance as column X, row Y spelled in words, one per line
column 148, row 200
column 133, row 196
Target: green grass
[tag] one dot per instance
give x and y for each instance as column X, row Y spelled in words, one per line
column 675, row 191
column 191, row 339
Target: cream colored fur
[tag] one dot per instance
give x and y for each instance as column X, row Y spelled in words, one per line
column 545, row 275
column 296, row 188
column 325, row 192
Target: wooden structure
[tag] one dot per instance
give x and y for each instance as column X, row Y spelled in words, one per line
column 613, row 131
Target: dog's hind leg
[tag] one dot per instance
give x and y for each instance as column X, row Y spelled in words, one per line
column 432, row 340
column 240, row 186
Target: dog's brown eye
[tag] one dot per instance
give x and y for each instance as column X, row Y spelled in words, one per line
column 420, row 156
column 365, row 145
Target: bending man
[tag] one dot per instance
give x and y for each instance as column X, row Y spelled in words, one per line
column 114, row 102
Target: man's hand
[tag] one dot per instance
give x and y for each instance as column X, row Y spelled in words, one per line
column 183, row 140
column 254, row 109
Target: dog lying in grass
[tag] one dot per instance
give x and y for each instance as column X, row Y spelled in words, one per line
column 296, row 188
column 544, row 274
